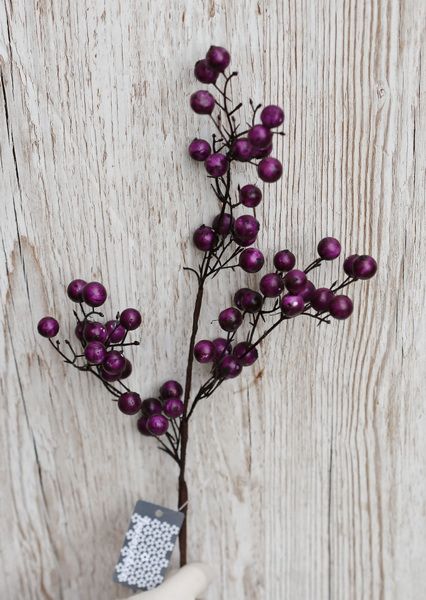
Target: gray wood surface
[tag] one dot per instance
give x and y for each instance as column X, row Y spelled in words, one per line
column 308, row 474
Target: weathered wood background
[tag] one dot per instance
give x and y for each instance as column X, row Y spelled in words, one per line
column 308, row 475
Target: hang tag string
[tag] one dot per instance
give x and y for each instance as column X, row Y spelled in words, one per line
column 183, row 506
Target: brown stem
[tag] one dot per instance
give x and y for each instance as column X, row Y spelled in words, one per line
column 183, row 488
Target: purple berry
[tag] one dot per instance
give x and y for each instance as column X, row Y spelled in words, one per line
column 204, row 351
column 202, row 102
column 284, row 260
column 251, row 260
column 171, row 389
column 321, row 299
column 216, row 164
column 272, row 116
column 262, row 152
column 221, row 347
column 242, row 150
column 364, row 267
column 94, row 332
column 115, row 332
column 218, row 57
column 95, row 353
column 173, row 408
column 248, row 300
column 130, row 319
column 127, row 371
column 295, row 280
column 271, row 285
column 223, row 223
column 246, row 227
column 270, row 169
column 244, row 242
column 142, row 426
column 348, row 265
column 229, row 367
column 205, row 238
column 230, row 319
column 259, row 136
column 129, row 403
column 329, row 248
column 245, row 354
column 157, row 424
column 79, row 331
column 250, row 196
column 151, row 406
column 48, row 327
column 204, row 72
column 114, row 363
column 75, row 290
column 94, row 294
column 199, row 149
column 107, row 377
column 307, row 291
column 341, row 307
column 292, row 305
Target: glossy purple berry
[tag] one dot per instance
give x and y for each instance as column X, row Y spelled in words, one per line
column 295, row 280
column 292, row 305
column 216, row 164
column 348, row 265
column 204, row 71
column 221, row 347
column 223, row 223
column 199, row 149
column 75, row 290
column 130, row 319
column 272, row 116
column 307, row 291
column 113, row 363
column 107, row 377
column 242, row 150
column 94, row 294
column 248, row 300
column 95, row 353
column 173, row 408
column 218, row 57
column 171, row 389
column 270, row 169
column 115, row 332
column 259, row 136
column 48, row 327
column 157, row 424
column 245, row 353
column 229, row 367
column 151, row 406
column 329, row 248
column 271, row 285
column 262, row 152
column 341, row 307
column 205, row 238
column 202, row 102
column 204, row 351
column 127, row 371
column 284, row 260
column 79, row 331
column 142, row 426
column 244, row 242
column 129, row 403
column 364, row 267
column 321, row 299
column 246, row 227
column 251, row 260
column 94, row 332
column 230, row 319
column 250, row 196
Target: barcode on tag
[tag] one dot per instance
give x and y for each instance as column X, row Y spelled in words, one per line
column 147, row 546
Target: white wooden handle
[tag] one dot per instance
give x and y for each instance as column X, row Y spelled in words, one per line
column 187, row 584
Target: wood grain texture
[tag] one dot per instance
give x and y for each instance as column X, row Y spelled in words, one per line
column 308, row 475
